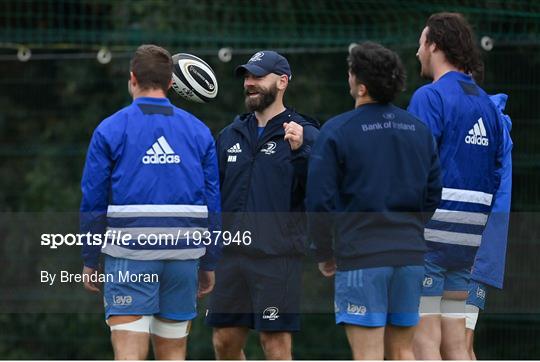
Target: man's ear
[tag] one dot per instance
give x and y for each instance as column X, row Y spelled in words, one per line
column 283, row 82
column 170, row 84
column 432, row 47
column 362, row 90
column 132, row 79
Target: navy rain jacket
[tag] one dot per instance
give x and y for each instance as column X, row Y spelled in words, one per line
column 263, row 184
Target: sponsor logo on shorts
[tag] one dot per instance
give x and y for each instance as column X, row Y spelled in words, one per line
column 121, row 300
column 356, row 309
column 336, row 308
column 480, row 293
column 270, row 313
column 428, row 282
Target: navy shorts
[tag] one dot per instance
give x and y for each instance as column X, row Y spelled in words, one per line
column 165, row 288
column 261, row 293
column 374, row 297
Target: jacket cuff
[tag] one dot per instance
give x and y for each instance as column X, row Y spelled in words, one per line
column 91, row 263
column 207, row 264
column 323, row 255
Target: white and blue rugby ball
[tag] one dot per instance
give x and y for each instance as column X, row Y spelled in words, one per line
column 193, row 79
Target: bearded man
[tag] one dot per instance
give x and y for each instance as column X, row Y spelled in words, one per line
column 262, row 158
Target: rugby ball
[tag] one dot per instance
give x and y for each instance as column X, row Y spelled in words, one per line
column 193, row 79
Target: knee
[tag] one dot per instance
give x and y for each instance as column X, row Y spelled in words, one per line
column 224, row 343
column 276, row 345
column 400, row 352
column 220, row 340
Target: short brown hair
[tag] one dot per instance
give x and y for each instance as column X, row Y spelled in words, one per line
column 453, row 35
column 379, row 69
column 152, row 66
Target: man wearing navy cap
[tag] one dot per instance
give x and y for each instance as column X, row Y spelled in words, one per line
column 262, row 158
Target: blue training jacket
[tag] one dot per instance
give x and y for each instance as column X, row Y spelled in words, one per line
column 151, row 169
column 465, row 124
column 373, row 182
column 490, row 259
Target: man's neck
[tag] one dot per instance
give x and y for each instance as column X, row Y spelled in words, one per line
column 360, row 101
column 442, row 69
column 268, row 113
column 149, row 93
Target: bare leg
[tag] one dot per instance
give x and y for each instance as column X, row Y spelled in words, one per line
column 453, row 344
column 229, row 343
column 469, row 335
column 128, row 345
column 427, row 338
column 367, row 343
column 277, row 345
column 169, row 348
column 398, row 343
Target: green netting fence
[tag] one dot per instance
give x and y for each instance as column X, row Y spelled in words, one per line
column 245, row 24
column 51, row 103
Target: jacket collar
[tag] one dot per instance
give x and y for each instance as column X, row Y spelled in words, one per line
column 246, row 124
column 152, row 100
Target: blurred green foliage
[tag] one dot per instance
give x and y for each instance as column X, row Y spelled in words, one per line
column 49, row 109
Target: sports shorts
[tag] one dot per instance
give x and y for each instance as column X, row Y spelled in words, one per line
column 261, row 293
column 439, row 279
column 374, row 297
column 164, row 288
column 477, row 294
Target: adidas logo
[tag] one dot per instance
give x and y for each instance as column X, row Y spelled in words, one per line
column 235, row 149
column 477, row 134
column 160, row 153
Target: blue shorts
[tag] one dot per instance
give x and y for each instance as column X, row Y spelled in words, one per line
column 439, row 279
column 477, row 294
column 165, row 288
column 374, row 297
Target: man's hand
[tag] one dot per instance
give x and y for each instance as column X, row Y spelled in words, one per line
column 328, row 268
column 88, row 285
column 207, row 279
column 294, row 133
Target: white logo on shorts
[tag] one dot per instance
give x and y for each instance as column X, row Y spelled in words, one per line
column 428, row 282
column 356, row 309
column 271, row 313
column 480, row 293
column 122, row 299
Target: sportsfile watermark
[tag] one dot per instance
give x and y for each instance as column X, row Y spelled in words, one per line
column 43, row 265
column 122, row 238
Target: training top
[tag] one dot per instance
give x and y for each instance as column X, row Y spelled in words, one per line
column 469, row 136
column 151, row 169
column 373, row 182
column 263, row 184
column 489, row 263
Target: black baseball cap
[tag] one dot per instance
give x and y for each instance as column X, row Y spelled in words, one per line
column 263, row 63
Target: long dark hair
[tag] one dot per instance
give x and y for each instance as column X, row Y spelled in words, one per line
column 453, row 35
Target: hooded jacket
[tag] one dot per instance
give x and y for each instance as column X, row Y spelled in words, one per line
column 263, row 184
